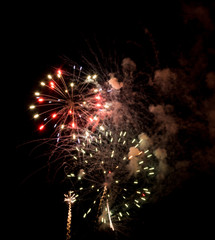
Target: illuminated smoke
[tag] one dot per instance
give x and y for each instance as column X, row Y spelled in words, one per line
column 128, row 67
column 133, row 160
column 114, row 82
column 164, row 80
column 145, row 141
column 210, row 103
column 161, row 155
column 166, row 121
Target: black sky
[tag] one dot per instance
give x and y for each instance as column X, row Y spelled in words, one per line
column 42, row 35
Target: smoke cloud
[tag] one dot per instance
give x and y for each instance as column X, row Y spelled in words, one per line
column 128, row 67
column 171, row 107
column 133, row 160
column 210, row 103
column 166, row 121
column 164, row 80
column 145, row 141
column 163, row 167
column 114, row 82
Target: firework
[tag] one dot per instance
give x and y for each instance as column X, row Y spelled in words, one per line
column 70, row 102
column 111, row 171
column 70, row 199
column 117, row 171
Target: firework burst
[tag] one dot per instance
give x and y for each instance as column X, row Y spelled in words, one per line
column 69, row 101
column 116, row 171
column 71, row 105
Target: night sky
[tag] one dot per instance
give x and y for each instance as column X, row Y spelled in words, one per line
column 182, row 36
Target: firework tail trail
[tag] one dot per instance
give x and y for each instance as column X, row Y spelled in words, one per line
column 69, row 218
column 108, row 209
column 102, row 200
column 70, row 199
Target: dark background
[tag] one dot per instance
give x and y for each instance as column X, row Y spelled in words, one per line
column 42, row 35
